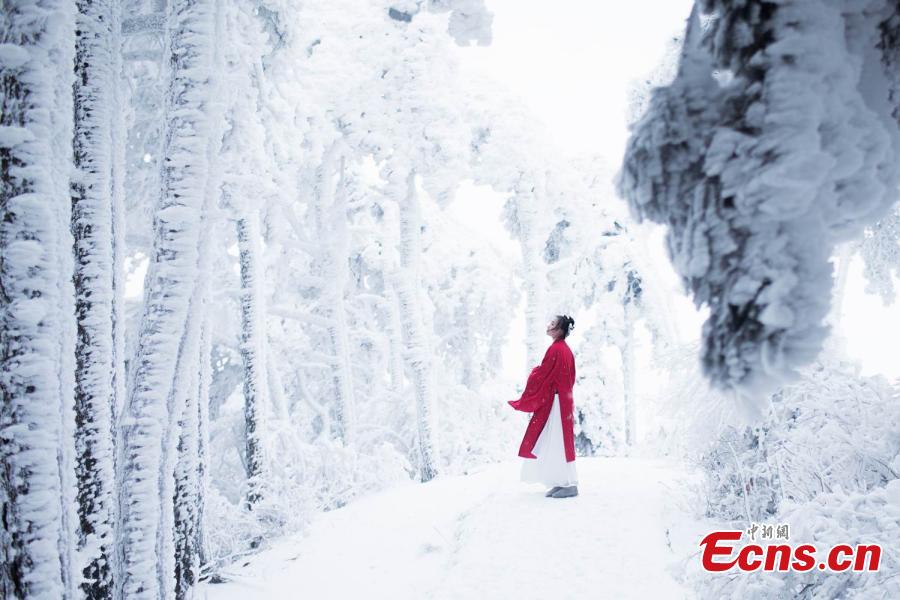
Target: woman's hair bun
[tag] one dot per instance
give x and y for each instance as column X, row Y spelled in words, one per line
column 565, row 323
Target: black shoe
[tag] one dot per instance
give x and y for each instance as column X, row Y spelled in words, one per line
column 566, row 492
column 553, row 490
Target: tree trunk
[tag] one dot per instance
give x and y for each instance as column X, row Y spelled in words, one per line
column 149, row 421
column 628, row 377
column 396, row 342
column 419, row 354
column 192, row 394
column 97, row 208
column 253, row 353
column 37, row 332
column 276, row 391
column 202, row 544
column 330, row 214
column 188, row 493
column 534, row 276
column 470, row 377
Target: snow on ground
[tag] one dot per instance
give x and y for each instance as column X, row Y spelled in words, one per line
column 488, row 535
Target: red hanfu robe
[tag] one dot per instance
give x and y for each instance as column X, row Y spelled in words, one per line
column 555, row 375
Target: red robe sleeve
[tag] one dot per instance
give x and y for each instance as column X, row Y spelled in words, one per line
column 541, row 383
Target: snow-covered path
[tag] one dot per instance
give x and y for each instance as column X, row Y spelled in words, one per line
column 487, row 535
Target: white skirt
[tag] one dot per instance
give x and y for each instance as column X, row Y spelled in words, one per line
column 550, row 466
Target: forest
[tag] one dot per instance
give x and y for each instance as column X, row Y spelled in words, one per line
column 235, row 298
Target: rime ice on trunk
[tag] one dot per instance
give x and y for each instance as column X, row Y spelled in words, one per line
column 525, row 217
column 471, row 377
column 189, row 484
column 192, row 395
column 396, row 341
column 631, row 299
column 150, row 434
column 330, row 214
column 253, row 353
column 205, row 378
column 188, row 494
column 402, row 187
column 97, row 205
column 246, row 190
column 36, row 328
column 529, row 218
column 628, row 375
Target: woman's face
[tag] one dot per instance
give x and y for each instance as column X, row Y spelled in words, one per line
column 551, row 328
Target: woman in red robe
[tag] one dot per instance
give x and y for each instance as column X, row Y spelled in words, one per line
column 549, row 443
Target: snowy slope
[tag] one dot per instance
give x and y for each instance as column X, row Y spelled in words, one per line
column 487, row 535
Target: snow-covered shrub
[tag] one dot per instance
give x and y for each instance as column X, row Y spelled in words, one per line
column 741, row 486
column 848, row 517
column 304, row 477
column 826, row 460
column 477, row 427
column 831, row 430
column 287, row 503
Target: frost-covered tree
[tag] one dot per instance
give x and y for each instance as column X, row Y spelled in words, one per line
column 253, row 352
column 374, row 316
column 404, row 283
column 189, row 482
column 880, row 251
column 97, row 225
column 241, row 147
column 330, row 213
column 502, row 162
column 317, row 117
column 254, row 198
column 330, row 240
column 191, row 395
column 600, row 418
column 143, row 42
column 775, row 141
column 471, row 290
column 418, row 136
column 152, row 410
column 37, row 335
column 525, row 218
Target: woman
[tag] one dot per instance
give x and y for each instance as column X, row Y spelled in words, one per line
column 549, row 443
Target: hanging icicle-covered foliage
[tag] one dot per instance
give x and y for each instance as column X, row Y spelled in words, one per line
column 775, row 141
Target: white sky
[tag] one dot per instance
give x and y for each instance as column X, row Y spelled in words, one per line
column 572, row 63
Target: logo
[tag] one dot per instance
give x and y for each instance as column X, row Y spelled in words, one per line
column 722, row 552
